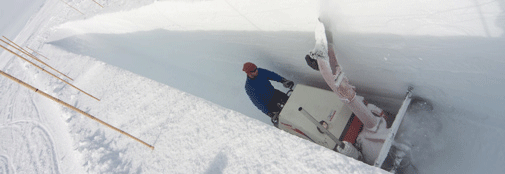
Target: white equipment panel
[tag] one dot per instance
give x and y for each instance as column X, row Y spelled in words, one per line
column 323, row 105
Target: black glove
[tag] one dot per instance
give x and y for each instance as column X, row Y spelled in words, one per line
column 287, row 83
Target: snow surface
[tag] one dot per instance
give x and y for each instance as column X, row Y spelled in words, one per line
column 169, row 72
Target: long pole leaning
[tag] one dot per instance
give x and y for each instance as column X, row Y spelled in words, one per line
column 16, row 46
column 47, row 72
column 314, row 121
column 37, row 53
column 72, row 7
column 73, row 108
column 98, row 3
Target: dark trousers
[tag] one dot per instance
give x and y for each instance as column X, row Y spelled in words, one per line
column 278, row 97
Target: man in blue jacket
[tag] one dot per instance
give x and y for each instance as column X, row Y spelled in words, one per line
column 261, row 92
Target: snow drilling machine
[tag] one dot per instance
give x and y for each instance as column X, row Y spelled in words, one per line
column 321, row 117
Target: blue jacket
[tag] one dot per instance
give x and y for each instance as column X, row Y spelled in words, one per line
column 260, row 90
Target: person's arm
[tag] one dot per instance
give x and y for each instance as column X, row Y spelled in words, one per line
column 276, row 77
column 252, row 96
column 271, row 75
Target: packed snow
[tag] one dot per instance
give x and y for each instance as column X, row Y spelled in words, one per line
column 169, row 73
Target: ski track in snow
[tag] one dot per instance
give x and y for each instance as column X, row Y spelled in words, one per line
column 30, row 143
column 5, row 165
column 27, row 140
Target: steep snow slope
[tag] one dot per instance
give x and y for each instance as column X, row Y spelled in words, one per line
column 450, row 51
column 191, row 135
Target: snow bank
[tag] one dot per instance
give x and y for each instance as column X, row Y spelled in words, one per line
column 450, row 51
column 218, row 15
column 190, row 134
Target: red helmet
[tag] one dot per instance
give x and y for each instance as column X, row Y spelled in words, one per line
column 249, row 67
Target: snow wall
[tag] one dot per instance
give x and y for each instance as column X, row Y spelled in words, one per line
column 449, row 51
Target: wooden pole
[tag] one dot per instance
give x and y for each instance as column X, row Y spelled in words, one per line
column 73, row 108
column 19, row 48
column 47, row 71
column 72, row 7
column 32, row 56
column 37, row 52
column 97, row 3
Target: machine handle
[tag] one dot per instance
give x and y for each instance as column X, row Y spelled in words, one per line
column 313, row 120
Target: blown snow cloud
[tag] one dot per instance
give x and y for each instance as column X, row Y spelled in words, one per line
column 219, row 15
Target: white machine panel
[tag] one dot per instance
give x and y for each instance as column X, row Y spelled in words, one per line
column 323, row 105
